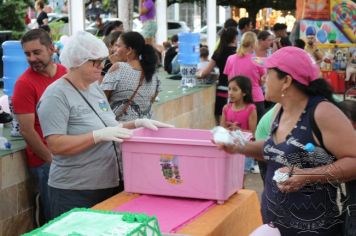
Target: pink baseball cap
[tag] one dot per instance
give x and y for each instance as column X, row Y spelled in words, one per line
column 294, row 61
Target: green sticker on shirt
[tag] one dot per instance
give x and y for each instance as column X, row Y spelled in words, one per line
column 103, row 105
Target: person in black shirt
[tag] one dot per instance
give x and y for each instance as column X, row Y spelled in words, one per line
column 42, row 18
column 281, row 40
column 170, row 54
column 227, row 47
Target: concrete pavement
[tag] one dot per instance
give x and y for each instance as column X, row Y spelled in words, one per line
column 254, row 182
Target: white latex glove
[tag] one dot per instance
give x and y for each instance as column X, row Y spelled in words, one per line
column 116, row 133
column 151, row 124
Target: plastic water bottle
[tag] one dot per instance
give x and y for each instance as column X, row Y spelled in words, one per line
column 4, row 144
column 318, row 155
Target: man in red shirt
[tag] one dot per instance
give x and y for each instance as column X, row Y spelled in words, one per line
column 38, row 49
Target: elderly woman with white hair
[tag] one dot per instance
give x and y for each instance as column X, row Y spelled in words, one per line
column 81, row 130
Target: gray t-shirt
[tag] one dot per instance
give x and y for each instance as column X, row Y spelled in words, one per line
column 61, row 110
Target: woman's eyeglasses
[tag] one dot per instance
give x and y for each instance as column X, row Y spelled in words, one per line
column 98, row 62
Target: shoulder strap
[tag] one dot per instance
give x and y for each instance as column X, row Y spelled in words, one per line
column 314, row 126
column 96, row 113
column 275, row 121
column 128, row 104
column 116, row 153
column 153, row 98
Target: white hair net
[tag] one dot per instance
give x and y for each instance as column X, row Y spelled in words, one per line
column 82, row 47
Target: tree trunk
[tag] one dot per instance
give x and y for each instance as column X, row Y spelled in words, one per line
column 126, row 13
column 252, row 12
column 203, row 14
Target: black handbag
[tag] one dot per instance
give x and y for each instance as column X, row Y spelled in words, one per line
column 349, row 209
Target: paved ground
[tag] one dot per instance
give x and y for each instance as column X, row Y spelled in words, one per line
column 254, row 182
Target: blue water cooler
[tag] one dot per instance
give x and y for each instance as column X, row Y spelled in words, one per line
column 15, row 63
column 188, row 57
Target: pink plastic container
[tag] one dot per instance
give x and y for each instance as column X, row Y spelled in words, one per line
column 181, row 163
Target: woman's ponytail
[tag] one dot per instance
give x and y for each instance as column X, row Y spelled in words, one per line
column 318, row 87
column 148, row 61
column 145, row 52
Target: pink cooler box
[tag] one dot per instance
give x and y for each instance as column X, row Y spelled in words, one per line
column 181, row 163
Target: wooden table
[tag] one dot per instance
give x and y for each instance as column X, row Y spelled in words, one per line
column 240, row 215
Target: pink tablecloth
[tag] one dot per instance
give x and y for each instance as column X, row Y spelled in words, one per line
column 172, row 213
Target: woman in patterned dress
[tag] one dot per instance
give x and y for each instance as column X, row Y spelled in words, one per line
column 129, row 94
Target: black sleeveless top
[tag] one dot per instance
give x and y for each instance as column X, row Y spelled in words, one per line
column 313, row 209
column 43, row 15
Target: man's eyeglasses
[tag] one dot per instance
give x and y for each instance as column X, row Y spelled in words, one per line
column 98, row 62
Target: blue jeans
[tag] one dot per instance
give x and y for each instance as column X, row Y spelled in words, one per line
column 41, row 175
column 249, row 163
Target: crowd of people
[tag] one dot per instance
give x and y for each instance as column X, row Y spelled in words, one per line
column 74, row 115
column 267, row 81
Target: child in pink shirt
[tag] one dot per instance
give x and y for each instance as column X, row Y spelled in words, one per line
column 240, row 112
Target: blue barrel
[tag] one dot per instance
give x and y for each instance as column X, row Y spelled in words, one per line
column 188, row 44
column 15, row 63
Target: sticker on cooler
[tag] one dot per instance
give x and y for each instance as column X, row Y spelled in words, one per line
column 170, row 168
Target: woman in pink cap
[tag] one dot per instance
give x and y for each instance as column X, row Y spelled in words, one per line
column 311, row 148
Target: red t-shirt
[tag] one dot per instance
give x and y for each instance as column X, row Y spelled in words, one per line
column 28, row 91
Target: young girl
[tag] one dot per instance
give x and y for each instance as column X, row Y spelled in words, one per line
column 240, row 112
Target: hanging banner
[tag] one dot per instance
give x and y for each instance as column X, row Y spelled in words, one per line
column 326, row 31
column 313, row 9
column 343, row 14
column 332, row 20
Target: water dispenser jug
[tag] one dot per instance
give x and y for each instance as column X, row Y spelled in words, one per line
column 15, row 63
column 188, row 57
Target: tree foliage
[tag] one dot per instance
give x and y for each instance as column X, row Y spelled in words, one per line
column 13, row 14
